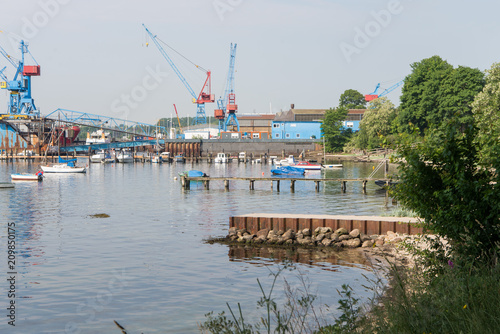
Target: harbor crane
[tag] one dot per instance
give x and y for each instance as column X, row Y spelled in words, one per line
column 205, row 95
column 227, row 103
column 374, row 95
column 20, row 102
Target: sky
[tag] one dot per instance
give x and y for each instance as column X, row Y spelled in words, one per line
column 95, row 56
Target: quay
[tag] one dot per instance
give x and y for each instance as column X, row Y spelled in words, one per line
column 370, row 225
column 186, row 181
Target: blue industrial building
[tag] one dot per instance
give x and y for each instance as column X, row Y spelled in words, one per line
column 306, row 123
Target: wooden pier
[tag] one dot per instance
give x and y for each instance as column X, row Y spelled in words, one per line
column 366, row 224
column 186, row 181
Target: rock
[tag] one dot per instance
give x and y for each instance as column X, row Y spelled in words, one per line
column 232, row 231
column 326, row 242
column 396, row 240
column 317, row 230
column 335, row 237
column 288, row 235
column 240, row 239
column 258, row 240
column 305, row 241
column 364, row 237
column 367, row 243
column 242, row 231
column 261, row 238
column 233, row 237
column 341, row 231
column 248, row 237
column 344, row 237
column 352, row 243
column 326, row 230
column 306, row 232
column 289, row 242
column 272, row 234
column 390, row 233
column 280, row 232
column 320, row 237
column 263, row 232
column 379, row 242
column 328, row 235
column 354, row 233
column 299, row 235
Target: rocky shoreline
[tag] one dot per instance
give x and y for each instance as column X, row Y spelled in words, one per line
column 319, row 237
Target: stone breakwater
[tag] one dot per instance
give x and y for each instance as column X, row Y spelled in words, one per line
column 319, row 237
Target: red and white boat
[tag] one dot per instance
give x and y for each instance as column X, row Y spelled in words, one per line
column 307, row 165
column 38, row 176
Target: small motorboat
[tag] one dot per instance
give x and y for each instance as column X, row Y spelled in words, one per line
column 332, row 166
column 38, row 176
column 98, row 157
column 180, row 158
column 125, row 156
column 5, row 185
column 290, row 161
column 287, row 170
column 222, row 158
column 306, row 165
column 193, row 173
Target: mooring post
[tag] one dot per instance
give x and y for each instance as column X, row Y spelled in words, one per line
column 292, row 186
column 278, row 185
column 364, row 186
column 206, row 184
column 252, row 184
column 226, row 184
column 343, row 186
column 317, row 185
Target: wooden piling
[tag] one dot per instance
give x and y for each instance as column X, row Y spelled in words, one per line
column 292, row 186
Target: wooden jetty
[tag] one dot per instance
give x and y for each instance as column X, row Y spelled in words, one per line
column 186, row 181
column 366, row 224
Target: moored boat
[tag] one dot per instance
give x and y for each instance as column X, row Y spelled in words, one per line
column 193, row 173
column 125, row 156
column 63, row 168
column 306, row 165
column 287, row 170
column 332, row 166
column 222, row 158
column 6, row 185
column 38, row 176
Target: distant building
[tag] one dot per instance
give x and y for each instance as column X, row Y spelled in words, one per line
column 306, row 123
column 256, row 124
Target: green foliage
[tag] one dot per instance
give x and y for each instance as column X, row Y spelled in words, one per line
column 333, row 129
column 460, row 299
column 442, row 182
column 486, row 108
column 376, row 123
column 435, row 91
column 348, row 321
column 352, row 99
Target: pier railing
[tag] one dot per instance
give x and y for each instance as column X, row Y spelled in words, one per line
column 186, row 181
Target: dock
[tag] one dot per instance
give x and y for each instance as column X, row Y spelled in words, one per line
column 366, row 224
column 186, row 181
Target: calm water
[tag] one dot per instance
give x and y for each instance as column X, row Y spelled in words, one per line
column 146, row 266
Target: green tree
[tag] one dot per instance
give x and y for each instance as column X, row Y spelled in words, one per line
column 420, row 92
column 376, row 122
column 443, row 183
column 485, row 109
column 435, row 92
column 336, row 135
column 352, row 99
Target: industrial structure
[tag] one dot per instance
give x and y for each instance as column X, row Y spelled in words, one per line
column 374, row 95
column 227, row 107
column 205, row 95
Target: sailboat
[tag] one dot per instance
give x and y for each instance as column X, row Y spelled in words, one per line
column 331, row 166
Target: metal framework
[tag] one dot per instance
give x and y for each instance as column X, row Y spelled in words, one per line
column 205, row 94
column 107, row 123
column 226, row 104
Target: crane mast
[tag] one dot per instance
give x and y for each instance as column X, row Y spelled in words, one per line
column 227, row 103
column 20, row 99
column 205, row 95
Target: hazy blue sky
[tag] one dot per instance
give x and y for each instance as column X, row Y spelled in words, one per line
column 94, row 57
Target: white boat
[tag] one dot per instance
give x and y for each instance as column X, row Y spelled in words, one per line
column 63, row 168
column 156, row 159
column 98, row 157
column 38, row 176
column 332, row 166
column 98, row 137
column 165, row 157
column 290, row 161
column 125, row 156
column 242, row 157
column 222, row 158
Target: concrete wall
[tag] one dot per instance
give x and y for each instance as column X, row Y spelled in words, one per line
column 257, row 147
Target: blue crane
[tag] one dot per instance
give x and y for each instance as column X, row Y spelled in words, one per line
column 203, row 97
column 373, row 96
column 20, row 100
column 227, row 103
